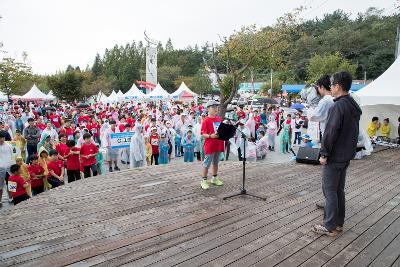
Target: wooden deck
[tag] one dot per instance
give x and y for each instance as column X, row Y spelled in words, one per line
column 160, row 217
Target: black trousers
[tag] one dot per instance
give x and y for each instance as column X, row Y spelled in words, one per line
column 333, row 184
column 227, row 149
column 32, row 150
column 19, row 199
column 54, row 182
column 155, row 158
column 37, row 190
column 198, row 156
column 86, row 170
column 73, row 175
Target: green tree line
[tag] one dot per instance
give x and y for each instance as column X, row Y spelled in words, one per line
column 362, row 44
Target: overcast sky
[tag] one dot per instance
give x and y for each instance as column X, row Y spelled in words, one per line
column 56, row 33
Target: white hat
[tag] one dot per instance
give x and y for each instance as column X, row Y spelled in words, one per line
column 212, row 102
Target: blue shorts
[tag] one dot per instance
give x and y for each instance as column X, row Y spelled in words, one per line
column 112, row 154
column 211, row 159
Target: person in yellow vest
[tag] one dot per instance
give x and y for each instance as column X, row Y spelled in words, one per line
column 385, row 128
column 24, row 174
column 373, row 126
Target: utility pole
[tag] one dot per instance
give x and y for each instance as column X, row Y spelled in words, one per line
column 252, row 81
column 271, row 84
column 365, row 76
column 397, row 42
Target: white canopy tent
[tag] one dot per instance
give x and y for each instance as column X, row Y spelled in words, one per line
column 3, row 97
column 381, row 98
column 50, row 95
column 183, row 92
column 35, row 94
column 120, row 94
column 134, row 93
column 112, row 97
column 101, row 97
column 158, row 93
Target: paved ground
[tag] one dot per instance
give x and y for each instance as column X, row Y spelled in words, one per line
column 158, row 216
column 273, row 157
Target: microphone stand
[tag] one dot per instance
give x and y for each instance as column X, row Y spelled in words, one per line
column 243, row 190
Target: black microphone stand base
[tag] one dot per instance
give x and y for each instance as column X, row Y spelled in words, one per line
column 244, row 192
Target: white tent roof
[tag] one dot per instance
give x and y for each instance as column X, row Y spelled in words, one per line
column 120, row 94
column 134, row 93
column 183, row 88
column 50, row 95
column 112, row 97
column 35, row 94
column 3, row 97
column 101, row 97
column 158, row 92
column 384, row 90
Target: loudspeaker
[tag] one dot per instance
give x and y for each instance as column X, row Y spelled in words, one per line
column 308, row 155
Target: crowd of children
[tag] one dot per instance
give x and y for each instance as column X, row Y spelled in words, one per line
column 65, row 142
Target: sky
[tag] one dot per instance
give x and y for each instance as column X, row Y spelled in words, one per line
column 56, row 33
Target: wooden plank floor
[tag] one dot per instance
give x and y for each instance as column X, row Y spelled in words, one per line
column 160, row 217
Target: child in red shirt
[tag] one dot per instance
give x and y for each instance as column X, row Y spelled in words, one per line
column 62, row 147
column 73, row 162
column 94, row 128
column 88, row 155
column 56, row 170
column 17, row 185
column 155, row 146
column 36, row 173
column 212, row 145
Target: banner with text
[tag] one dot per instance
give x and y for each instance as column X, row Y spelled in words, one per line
column 120, row 140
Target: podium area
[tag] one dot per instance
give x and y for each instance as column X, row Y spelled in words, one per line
column 160, row 216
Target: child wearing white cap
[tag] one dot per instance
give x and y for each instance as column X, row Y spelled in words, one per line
column 212, row 145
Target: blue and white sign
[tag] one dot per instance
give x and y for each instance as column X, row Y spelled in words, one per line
column 121, row 140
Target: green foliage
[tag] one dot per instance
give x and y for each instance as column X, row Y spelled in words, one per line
column 201, row 84
column 67, row 85
column 328, row 64
column 167, row 76
column 12, row 75
column 367, row 41
column 92, row 86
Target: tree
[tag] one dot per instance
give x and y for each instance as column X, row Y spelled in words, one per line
column 66, row 85
column 328, row 64
column 250, row 47
column 201, row 84
column 167, row 75
column 168, row 46
column 101, row 83
column 12, row 74
column 97, row 67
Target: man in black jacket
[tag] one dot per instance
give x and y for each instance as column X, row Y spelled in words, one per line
column 31, row 134
column 338, row 147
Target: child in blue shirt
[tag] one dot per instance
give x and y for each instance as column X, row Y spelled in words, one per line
column 307, row 141
column 164, row 147
column 178, row 143
column 188, row 143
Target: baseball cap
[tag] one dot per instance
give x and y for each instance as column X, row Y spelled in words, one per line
column 242, row 121
column 212, row 103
